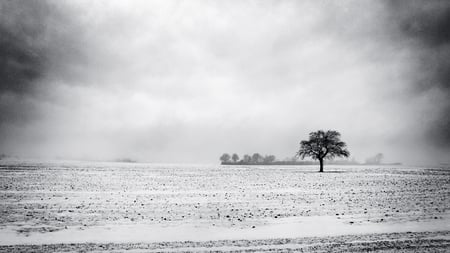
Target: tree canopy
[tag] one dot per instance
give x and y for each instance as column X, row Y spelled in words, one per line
column 323, row 145
column 225, row 157
column 235, row 157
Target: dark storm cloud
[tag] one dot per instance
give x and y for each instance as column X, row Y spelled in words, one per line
column 22, row 53
column 427, row 24
column 36, row 38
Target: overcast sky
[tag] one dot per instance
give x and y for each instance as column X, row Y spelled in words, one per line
column 185, row 81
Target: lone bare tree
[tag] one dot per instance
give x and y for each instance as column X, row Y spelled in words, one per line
column 323, row 145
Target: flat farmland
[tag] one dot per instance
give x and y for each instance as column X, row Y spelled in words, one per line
column 73, row 206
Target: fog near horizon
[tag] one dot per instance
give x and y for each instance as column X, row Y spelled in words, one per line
column 185, row 81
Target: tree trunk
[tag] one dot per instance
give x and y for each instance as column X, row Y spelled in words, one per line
column 321, row 165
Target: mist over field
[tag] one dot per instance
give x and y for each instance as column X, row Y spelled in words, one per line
column 185, row 81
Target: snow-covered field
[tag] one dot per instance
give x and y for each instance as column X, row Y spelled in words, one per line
column 77, row 206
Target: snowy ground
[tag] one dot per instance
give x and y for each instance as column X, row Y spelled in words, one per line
column 70, row 206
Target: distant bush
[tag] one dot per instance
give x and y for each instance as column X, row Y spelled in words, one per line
column 125, row 160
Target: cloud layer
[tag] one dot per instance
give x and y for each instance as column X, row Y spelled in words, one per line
column 175, row 81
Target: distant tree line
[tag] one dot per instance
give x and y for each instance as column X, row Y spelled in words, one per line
column 376, row 159
column 256, row 158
